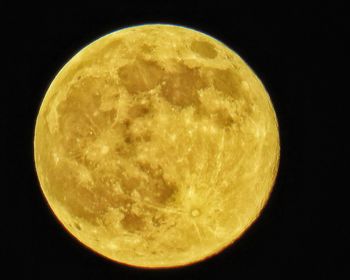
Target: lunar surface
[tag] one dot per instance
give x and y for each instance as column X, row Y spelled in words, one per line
column 156, row 146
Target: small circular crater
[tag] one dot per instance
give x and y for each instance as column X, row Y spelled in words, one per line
column 77, row 226
column 195, row 213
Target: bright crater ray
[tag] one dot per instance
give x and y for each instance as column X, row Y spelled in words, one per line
column 156, row 146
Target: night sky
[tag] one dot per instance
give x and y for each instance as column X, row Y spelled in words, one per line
column 296, row 51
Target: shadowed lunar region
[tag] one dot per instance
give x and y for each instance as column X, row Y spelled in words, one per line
column 156, row 146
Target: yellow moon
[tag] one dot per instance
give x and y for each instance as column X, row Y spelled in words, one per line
column 156, row 146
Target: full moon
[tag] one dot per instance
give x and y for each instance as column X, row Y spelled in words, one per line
column 156, row 146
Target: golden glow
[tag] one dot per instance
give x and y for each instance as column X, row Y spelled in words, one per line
column 156, row 146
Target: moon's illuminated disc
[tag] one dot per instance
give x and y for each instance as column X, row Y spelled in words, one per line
column 156, row 146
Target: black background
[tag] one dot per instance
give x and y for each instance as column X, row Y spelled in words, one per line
column 295, row 50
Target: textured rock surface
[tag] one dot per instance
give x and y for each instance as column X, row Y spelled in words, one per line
column 156, row 146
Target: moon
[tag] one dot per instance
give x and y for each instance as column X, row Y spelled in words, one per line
column 156, row 146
